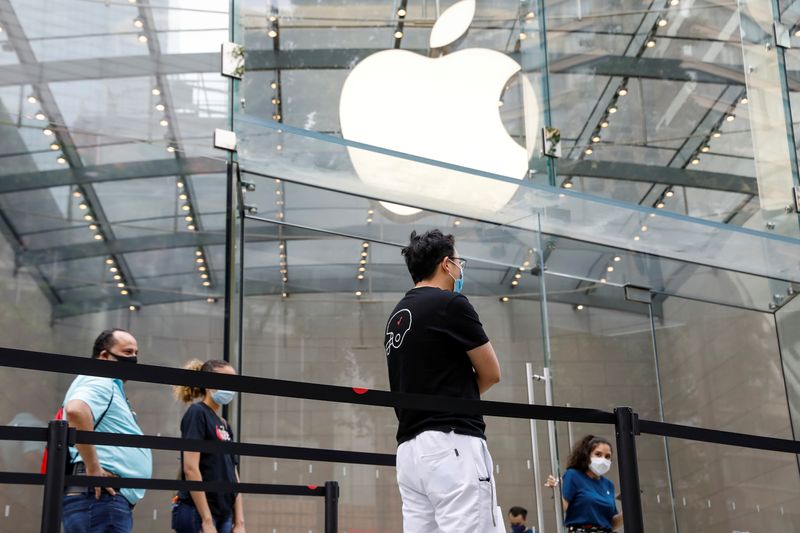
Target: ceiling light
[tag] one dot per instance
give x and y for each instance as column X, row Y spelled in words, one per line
column 276, row 101
column 730, row 118
column 514, row 283
column 695, row 161
column 370, row 212
column 98, row 237
column 363, row 254
column 579, row 307
column 744, row 100
column 285, row 279
column 92, row 227
column 123, row 292
column 669, row 193
column 120, row 285
column 190, row 227
column 662, row 23
column 643, row 228
column 362, row 269
column 203, row 276
column 651, row 43
column 279, row 147
column 610, row 268
column 202, row 268
column 142, row 38
column 206, row 284
column 117, row 277
column 47, row 131
column 797, row 32
column 32, row 99
column 505, row 299
column 186, row 207
column 567, row 185
column 456, row 222
column 77, row 194
column 199, row 260
column 636, row 238
column 276, row 116
column 588, row 151
column 716, row 135
column 398, row 34
column 517, row 276
column 110, row 261
column 213, row 300
column 171, row 149
column 360, row 276
column 401, row 12
column 40, row 116
column 595, row 138
column 674, row 2
column 522, row 36
column 622, row 91
column 604, row 124
column 188, row 218
column 612, row 109
column 138, row 22
column 365, row 245
column 617, row 259
column 156, row 91
column 198, row 253
column 603, row 280
column 273, row 18
column 529, row 15
column 358, row 293
column 164, row 122
column 62, row 160
column 82, row 206
column 160, row 106
column 113, row 269
column 273, row 85
column 180, row 185
column 272, row 33
column 660, row 205
column 54, row 146
column 182, row 196
column 132, row 307
column 88, row 217
column 705, row 149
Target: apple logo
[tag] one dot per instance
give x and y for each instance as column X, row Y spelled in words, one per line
column 443, row 108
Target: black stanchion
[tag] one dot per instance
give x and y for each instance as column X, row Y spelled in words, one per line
column 331, row 507
column 626, row 422
column 57, row 449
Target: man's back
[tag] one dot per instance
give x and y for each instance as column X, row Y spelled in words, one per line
column 426, row 339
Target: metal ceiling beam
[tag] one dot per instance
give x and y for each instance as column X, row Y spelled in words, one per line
column 341, row 59
column 87, row 175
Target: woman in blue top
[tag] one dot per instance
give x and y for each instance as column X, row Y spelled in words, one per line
column 588, row 497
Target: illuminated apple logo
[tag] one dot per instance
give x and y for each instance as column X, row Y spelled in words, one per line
column 443, row 108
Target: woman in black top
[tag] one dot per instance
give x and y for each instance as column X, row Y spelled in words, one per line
column 207, row 512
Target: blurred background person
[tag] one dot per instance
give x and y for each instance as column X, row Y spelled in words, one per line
column 207, row 512
column 516, row 517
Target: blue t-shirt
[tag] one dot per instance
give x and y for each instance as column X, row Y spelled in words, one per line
column 591, row 501
column 97, row 392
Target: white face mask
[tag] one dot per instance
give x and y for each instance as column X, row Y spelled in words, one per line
column 600, row 466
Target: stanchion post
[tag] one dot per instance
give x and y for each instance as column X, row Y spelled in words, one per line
column 57, row 449
column 331, row 507
column 626, row 429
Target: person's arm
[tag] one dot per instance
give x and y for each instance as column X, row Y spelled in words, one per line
column 551, row 483
column 487, row 368
column 191, row 469
column 616, row 523
column 238, row 511
column 79, row 415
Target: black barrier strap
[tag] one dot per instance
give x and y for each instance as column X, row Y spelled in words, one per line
column 205, row 486
column 66, row 364
column 23, row 433
column 21, row 478
column 716, row 436
column 235, row 448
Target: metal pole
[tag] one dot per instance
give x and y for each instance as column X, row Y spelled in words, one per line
column 331, row 506
column 57, row 448
column 626, row 426
column 551, row 431
column 537, row 475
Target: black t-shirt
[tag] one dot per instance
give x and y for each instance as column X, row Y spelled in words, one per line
column 427, row 338
column 201, row 422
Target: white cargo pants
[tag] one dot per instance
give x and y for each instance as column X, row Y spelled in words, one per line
column 447, row 484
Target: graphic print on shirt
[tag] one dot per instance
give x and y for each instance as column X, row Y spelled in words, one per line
column 222, row 433
column 396, row 329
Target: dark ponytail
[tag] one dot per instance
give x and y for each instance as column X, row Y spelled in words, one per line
column 580, row 457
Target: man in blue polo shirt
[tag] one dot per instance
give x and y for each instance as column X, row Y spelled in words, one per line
column 99, row 404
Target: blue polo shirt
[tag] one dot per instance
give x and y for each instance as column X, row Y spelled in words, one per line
column 591, row 501
column 97, row 392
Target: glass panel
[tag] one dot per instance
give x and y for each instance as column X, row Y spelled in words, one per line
column 787, row 319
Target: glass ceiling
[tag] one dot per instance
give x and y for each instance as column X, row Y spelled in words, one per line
column 113, row 120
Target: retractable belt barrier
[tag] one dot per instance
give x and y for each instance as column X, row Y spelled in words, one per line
column 626, row 421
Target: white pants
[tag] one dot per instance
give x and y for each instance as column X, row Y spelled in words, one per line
column 447, row 484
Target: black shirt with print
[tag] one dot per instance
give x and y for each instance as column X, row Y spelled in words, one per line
column 427, row 338
column 201, row 422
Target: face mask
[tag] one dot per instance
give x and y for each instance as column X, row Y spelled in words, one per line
column 600, row 466
column 518, row 528
column 124, row 359
column 459, row 283
column 223, row 397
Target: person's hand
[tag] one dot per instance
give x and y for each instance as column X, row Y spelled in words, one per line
column 552, row 482
column 97, row 471
column 238, row 528
column 208, row 526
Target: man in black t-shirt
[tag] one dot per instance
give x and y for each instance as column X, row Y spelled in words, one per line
column 435, row 344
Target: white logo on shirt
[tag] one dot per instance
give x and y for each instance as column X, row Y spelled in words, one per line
column 396, row 329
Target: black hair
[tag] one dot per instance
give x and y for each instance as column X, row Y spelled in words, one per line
column 518, row 511
column 580, row 457
column 105, row 341
column 426, row 251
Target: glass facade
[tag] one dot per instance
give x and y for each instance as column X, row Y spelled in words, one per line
column 574, row 149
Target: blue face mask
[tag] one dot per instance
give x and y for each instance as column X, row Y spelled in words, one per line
column 223, row 397
column 459, row 283
column 518, row 528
